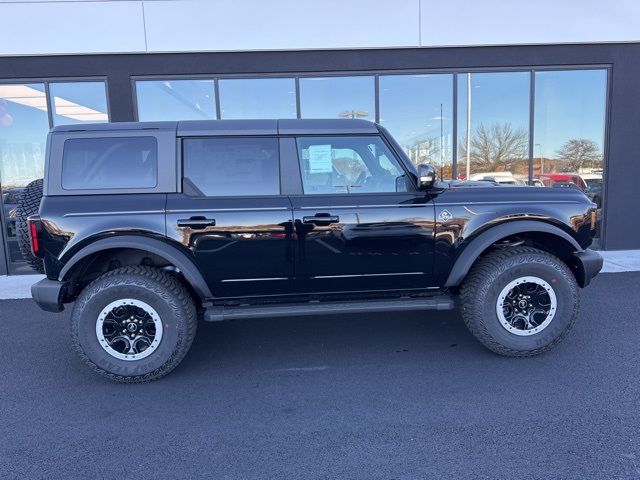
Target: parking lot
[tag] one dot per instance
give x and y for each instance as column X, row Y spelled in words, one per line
column 389, row 396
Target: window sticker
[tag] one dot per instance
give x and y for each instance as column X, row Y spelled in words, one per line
column 320, row 159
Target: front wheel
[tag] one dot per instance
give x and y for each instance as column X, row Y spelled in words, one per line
column 519, row 301
column 134, row 324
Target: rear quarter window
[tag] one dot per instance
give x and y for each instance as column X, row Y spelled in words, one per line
column 110, row 163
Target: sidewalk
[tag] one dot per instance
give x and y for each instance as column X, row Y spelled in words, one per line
column 615, row 261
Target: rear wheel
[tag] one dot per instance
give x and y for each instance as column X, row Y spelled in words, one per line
column 134, row 324
column 519, row 301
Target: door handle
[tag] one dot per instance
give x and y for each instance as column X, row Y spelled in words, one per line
column 197, row 222
column 321, row 219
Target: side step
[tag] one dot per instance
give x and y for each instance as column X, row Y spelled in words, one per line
column 218, row 313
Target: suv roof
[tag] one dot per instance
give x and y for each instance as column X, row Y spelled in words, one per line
column 235, row 127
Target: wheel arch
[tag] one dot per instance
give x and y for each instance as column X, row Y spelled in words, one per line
column 158, row 248
column 544, row 232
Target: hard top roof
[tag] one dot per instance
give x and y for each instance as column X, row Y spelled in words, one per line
column 195, row 128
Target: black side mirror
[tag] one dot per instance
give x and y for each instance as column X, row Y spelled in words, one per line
column 426, row 176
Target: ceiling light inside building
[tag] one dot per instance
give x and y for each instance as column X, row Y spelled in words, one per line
column 31, row 97
column 73, row 110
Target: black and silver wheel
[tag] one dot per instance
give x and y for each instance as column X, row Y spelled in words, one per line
column 519, row 301
column 134, row 324
column 129, row 329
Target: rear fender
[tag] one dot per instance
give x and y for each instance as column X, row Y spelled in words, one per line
column 158, row 247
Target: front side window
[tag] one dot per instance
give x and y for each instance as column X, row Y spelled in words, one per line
column 349, row 164
column 230, row 167
column 110, row 163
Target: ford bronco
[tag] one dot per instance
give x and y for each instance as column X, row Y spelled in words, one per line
column 148, row 228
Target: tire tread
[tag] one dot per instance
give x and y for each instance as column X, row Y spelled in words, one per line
column 28, row 205
column 485, row 272
column 169, row 288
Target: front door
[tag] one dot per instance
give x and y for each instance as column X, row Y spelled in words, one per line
column 360, row 224
column 232, row 217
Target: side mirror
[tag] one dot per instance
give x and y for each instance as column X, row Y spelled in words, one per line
column 426, row 176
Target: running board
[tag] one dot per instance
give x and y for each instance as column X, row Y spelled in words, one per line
column 218, row 313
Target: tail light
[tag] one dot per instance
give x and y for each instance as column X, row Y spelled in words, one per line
column 35, row 226
column 594, row 219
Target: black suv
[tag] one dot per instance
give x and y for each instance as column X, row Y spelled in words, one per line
column 148, row 227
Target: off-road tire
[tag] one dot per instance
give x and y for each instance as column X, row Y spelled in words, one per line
column 28, row 204
column 482, row 286
column 164, row 293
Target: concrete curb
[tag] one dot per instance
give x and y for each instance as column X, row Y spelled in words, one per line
column 615, row 261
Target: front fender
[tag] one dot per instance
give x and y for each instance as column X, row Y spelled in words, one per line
column 487, row 238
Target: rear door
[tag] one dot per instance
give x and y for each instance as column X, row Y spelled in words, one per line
column 360, row 224
column 232, row 216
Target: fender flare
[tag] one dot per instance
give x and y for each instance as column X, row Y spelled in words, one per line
column 487, row 238
column 151, row 245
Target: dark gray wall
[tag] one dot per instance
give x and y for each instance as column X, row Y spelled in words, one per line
column 622, row 215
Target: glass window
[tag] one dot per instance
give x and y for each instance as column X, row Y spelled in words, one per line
column 257, row 98
column 338, row 97
column 418, row 111
column 569, row 129
column 159, row 100
column 230, row 167
column 493, row 127
column 113, row 162
column 23, row 131
column 356, row 164
column 78, row 102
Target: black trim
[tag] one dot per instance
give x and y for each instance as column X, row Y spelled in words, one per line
column 170, row 253
column 588, row 264
column 290, row 175
column 49, row 294
column 219, row 313
column 483, row 241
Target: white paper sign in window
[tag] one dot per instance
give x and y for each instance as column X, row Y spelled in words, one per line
column 320, row 159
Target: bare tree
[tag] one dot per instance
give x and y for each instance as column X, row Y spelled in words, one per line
column 497, row 147
column 579, row 152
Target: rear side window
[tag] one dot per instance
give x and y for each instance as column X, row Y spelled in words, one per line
column 110, row 163
column 230, row 167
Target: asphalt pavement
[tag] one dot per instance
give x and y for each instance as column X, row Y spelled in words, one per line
column 388, row 396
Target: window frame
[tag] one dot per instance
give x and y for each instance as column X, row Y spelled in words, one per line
column 51, row 103
column 411, row 186
column 181, row 163
column 48, row 80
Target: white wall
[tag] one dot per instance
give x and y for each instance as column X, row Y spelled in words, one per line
column 41, row 27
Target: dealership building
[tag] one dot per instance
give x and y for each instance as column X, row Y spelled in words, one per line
column 528, row 93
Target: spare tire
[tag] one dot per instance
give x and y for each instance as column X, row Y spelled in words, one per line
column 28, row 204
